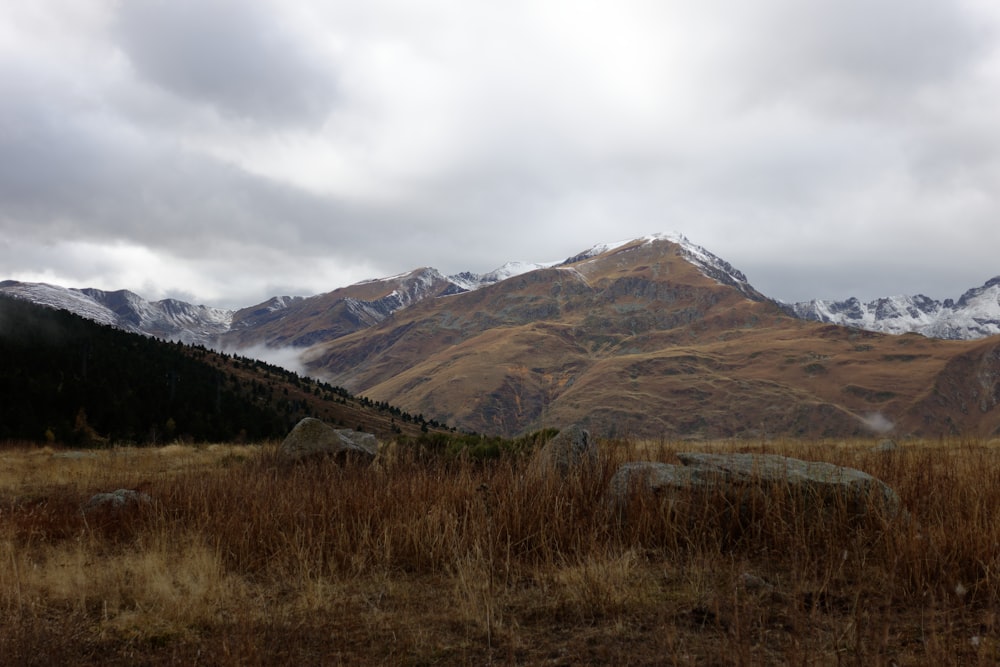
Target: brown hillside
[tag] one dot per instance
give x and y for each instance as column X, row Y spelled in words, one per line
column 331, row 315
column 639, row 341
column 300, row 397
column 964, row 397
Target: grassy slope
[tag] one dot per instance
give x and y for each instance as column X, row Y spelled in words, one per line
column 241, row 562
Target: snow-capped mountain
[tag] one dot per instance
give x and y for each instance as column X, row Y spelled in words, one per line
column 975, row 315
column 53, row 296
column 169, row 319
column 409, row 288
column 710, row 265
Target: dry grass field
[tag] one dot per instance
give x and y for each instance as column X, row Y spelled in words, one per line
column 240, row 561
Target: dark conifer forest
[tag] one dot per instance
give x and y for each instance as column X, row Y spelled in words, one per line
column 69, row 380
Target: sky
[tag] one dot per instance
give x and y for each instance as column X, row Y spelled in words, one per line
column 225, row 151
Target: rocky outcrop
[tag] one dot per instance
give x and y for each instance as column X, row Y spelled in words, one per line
column 571, row 449
column 811, row 484
column 312, row 439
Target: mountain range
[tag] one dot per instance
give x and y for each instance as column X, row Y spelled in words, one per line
column 653, row 336
column 976, row 314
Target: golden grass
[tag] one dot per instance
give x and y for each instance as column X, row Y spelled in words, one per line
column 242, row 561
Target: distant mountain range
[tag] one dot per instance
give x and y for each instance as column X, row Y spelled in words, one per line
column 169, row 319
column 976, row 314
column 652, row 336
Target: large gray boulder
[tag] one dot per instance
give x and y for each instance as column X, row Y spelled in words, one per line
column 814, row 484
column 313, row 439
column 572, row 449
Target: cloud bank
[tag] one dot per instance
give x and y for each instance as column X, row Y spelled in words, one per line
column 225, row 152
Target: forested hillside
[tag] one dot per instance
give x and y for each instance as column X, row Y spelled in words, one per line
column 67, row 379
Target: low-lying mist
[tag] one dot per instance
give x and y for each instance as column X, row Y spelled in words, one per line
column 289, row 358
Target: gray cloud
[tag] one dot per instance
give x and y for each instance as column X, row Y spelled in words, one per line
column 855, row 57
column 79, row 178
column 239, row 151
column 234, row 56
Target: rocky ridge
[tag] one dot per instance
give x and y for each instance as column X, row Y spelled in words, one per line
column 976, row 314
column 169, row 319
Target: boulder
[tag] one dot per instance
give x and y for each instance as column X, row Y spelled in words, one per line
column 571, row 449
column 313, row 439
column 821, row 484
column 651, row 478
column 116, row 501
column 886, row 446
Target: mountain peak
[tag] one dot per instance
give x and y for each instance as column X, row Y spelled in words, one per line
column 708, row 264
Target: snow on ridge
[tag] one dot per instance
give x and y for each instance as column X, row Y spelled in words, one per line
column 598, row 249
column 62, row 298
column 169, row 318
column 512, row 269
column 601, row 248
column 276, row 303
column 427, row 274
column 369, row 281
column 470, row 282
column 975, row 315
column 710, row 265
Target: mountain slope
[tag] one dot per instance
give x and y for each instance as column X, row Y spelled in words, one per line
column 299, row 322
column 648, row 338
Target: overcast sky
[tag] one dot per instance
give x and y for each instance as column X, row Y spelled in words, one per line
column 224, row 151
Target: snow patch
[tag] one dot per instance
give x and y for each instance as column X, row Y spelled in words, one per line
column 472, row 281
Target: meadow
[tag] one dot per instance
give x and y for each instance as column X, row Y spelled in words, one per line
column 440, row 560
